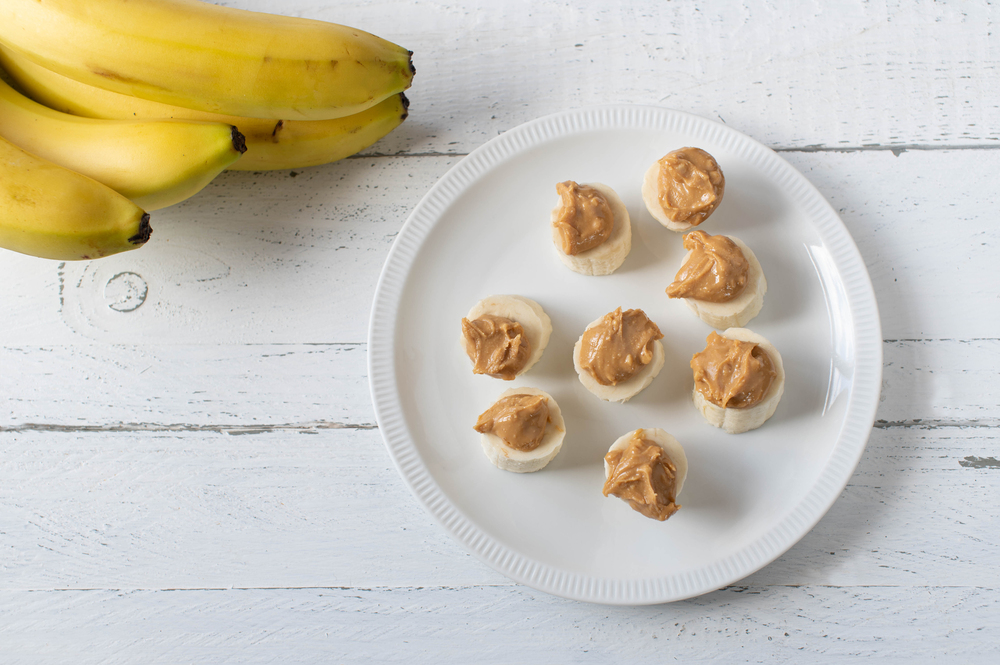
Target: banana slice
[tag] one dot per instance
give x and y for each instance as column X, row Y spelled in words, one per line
column 519, row 461
column 536, row 323
column 626, row 390
column 740, row 310
column 664, row 440
column 610, row 254
column 736, row 421
column 671, row 446
column 702, row 179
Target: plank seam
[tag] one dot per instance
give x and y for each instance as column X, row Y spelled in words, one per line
column 738, row 588
column 913, row 423
column 893, row 148
column 179, row 427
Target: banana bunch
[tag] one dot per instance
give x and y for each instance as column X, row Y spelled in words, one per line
column 146, row 101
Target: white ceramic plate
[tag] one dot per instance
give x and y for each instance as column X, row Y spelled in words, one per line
column 484, row 229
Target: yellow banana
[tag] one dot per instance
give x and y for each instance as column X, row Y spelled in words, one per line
column 292, row 144
column 207, row 57
column 271, row 144
column 155, row 163
column 52, row 212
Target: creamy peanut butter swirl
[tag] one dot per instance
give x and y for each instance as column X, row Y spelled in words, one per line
column 643, row 475
column 585, row 219
column 690, row 185
column 714, row 271
column 619, row 346
column 519, row 420
column 496, row 345
column 732, row 374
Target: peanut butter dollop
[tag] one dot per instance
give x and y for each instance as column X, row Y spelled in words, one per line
column 585, row 219
column 715, row 271
column 732, row 374
column 519, row 420
column 691, row 185
column 496, row 345
column 619, row 346
column 643, row 475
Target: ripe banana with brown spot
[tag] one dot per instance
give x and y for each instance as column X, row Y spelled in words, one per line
column 271, row 144
column 155, row 163
column 51, row 212
column 208, row 57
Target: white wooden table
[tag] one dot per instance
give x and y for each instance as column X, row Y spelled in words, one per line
column 190, row 469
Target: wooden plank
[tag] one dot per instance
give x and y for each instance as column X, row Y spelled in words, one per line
column 225, row 387
column 268, row 258
column 499, row 624
column 194, row 509
column 203, row 508
column 236, row 387
column 845, row 73
column 950, row 381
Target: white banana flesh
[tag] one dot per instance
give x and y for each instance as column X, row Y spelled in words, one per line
column 626, row 390
column 740, row 310
column 527, row 461
column 737, row 421
column 533, row 319
column 54, row 213
column 609, row 255
column 670, row 445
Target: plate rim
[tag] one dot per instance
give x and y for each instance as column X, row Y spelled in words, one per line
column 855, row 428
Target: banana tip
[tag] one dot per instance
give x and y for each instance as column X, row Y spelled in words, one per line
column 145, row 230
column 239, row 141
column 406, row 106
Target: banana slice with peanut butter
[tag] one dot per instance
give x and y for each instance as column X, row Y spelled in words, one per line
column 522, row 431
column 738, row 380
column 619, row 354
column 504, row 335
column 720, row 280
column 591, row 229
column 646, row 469
column 683, row 188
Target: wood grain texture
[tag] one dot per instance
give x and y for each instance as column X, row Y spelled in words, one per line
column 200, row 509
column 186, row 387
column 500, row 624
column 940, row 381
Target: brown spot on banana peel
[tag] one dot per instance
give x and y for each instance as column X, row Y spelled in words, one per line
column 115, row 76
column 278, row 126
column 239, row 141
column 142, row 235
